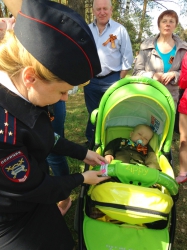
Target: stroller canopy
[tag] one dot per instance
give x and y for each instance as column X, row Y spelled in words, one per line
column 136, row 100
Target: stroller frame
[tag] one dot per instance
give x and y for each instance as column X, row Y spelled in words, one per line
column 99, row 140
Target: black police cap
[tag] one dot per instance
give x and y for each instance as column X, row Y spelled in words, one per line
column 59, row 39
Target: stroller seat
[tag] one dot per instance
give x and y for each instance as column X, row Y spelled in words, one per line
column 118, row 131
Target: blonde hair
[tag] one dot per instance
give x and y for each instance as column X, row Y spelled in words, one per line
column 14, row 57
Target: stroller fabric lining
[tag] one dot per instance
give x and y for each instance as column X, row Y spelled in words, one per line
column 116, row 236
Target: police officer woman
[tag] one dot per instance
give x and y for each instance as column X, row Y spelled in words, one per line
column 39, row 62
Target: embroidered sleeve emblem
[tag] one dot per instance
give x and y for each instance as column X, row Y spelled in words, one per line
column 15, row 167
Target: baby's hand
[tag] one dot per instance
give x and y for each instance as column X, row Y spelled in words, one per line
column 109, row 158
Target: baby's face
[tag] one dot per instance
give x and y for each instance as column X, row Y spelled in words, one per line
column 142, row 134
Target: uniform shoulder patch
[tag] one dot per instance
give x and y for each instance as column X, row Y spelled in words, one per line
column 7, row 127
column 15, row 167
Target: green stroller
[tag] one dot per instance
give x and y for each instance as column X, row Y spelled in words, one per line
column 138, row 211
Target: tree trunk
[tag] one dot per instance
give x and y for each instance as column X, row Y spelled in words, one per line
column 78, row 6
column 88, row 11
column 142, row 21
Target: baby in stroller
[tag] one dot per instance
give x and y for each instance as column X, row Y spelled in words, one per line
column 133, row 150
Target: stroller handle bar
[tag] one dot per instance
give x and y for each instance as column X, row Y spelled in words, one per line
column 140, row 175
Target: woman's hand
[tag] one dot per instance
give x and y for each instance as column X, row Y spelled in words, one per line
column 93, row 158
column 157, row 76
column 167, row 77
column 6, row 24
column 164, row 78
column 92, row 177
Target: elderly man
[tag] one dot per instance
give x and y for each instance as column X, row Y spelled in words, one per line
column 115, row 54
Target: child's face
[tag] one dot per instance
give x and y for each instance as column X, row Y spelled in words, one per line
column 143, row 134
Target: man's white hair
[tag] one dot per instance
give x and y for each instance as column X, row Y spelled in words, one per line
column 110, row 2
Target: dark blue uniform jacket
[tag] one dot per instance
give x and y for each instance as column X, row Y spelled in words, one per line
column 26, row 138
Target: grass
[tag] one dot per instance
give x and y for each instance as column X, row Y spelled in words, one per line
column 76, row 120
column 75, row 125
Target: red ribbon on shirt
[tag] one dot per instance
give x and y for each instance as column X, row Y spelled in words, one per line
column 111, row 40
column 141, row 148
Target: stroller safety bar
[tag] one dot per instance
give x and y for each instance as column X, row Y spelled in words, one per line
column 140, row 175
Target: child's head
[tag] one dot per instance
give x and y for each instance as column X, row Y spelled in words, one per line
column 142, row 134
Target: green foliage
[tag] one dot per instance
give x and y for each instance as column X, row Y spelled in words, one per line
column 118, row 9
column 131, row 31
column 181, row 32
column 132, row 23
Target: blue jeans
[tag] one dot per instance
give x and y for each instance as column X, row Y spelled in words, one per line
column 58, row 163
column 93, row 93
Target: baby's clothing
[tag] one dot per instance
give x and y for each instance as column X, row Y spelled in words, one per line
column 129, row 152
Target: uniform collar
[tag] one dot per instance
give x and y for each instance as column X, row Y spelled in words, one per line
column 6, row 81
column 20, row 108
